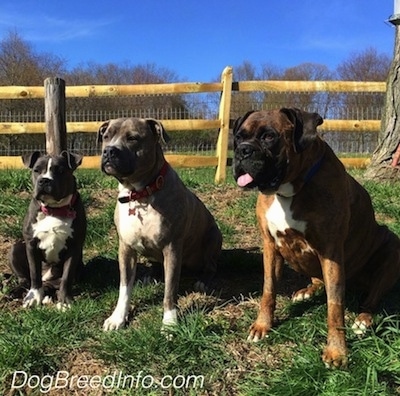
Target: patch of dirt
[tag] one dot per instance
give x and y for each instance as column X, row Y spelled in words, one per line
column 5, row 246
column 80, row 363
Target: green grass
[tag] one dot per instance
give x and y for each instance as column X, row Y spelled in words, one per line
column 209, row 344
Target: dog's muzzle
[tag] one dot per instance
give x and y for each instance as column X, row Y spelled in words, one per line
column 45, row 185
column 110, row 153
column 246, row 150
column 109, row 157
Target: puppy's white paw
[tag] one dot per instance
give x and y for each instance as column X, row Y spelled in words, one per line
column 63, row 306
column 47, row 300
column 34, row 297
column 359, row 327
column 301, row 296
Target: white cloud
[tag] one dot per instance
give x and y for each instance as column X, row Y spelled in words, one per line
column 41, row 28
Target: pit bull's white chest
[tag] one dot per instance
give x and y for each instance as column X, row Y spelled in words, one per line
column 140, row 227
column 52, row 233
column 280, row 218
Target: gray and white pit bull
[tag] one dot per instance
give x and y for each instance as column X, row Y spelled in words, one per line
column 50, row 256
column 156, row 216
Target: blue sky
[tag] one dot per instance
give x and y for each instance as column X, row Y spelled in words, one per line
column 197, row 39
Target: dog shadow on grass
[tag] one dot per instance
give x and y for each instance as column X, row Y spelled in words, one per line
column 239, row 275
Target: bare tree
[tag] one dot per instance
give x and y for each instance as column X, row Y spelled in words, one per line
column 20, row 64
column 245, row 71
column 242, row 102
column 157, row 106
column 386, row 158
column 311, row 101
column 367, row 65
column 271, row 72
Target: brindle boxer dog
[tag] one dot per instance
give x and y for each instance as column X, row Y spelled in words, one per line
column 316, row 217
column 156, row 215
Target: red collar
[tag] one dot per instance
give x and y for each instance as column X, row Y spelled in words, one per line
column 157, row 185
column 63, row 211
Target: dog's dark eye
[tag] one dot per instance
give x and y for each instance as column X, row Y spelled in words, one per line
column 132, row 138
column 268, row 136
column 239, row 137
column 36, row 170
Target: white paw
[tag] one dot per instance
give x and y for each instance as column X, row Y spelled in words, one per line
column 34, row 297
column 169, row 323
column 170, row 318
column 359, row 327
column 63, row 306
column 47, row 300
column 301, row 296
column 114, row 322
column 256, row 337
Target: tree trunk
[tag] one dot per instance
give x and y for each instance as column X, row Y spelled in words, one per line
column 385, row 162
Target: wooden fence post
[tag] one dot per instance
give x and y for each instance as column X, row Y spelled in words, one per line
column 54, row 103
column 224, row 118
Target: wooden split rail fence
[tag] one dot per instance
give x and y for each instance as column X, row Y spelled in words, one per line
column 222, row 123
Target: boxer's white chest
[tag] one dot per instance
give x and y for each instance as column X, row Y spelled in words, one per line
column 52, row 233
column 280, row 218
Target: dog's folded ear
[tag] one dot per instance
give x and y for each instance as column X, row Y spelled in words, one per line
column 239, row 121
column 305, row 127
column 73, row 160
column 29, row 160
column 101, row 131
column 158, row 129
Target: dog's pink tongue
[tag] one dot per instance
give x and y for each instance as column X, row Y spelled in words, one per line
column 244, row 180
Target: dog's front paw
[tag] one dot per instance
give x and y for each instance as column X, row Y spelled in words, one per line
column 308, row 292
column 170, row 318
column 362, row 323
column 301, row 295
column 258, row 331
column 63, row 306
column 169, row 323
column 335, row 357
column 114, row 322
column 34, row 297
column 64, row 302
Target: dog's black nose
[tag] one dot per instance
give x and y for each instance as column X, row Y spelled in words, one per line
column 43, row 181
column 245, row 150
column 109, row 151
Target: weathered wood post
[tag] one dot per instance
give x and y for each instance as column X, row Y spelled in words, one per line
column 224, row 117
column 54, row 103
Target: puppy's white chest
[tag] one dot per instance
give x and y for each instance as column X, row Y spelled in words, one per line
column 280, row 218
column 52, row 233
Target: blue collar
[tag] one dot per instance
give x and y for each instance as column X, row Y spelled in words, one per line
column 314, row 169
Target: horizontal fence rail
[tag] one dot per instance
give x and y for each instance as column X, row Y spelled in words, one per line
column 227, row 105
